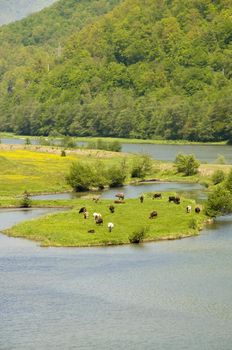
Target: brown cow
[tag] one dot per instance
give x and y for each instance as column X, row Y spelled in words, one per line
column 120, row 196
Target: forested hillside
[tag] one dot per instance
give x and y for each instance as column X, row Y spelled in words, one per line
column 147, row 69
column 12, row 10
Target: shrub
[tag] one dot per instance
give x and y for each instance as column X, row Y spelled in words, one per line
column 228, row 183
column 219, row 202
column 141, row 167
column 220, row 159
column 80, row 177
column 193, row 224
column 218, row 176
column 63, row 153
column 27, row 141
column 187, row 164
column 138, row 235
column 117, row 174
column 68, row 142
column 114, row 146
column 25, row 201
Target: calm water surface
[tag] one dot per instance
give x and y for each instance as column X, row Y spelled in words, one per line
column 188, row 190
column 170, row 295
column 205, row 153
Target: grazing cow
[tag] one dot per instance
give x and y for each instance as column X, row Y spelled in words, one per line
column 86, row 215
column 96, row 199
column 157, row 195
column 112, row 208
column 119, row 202
column 197, row 210
column 96, row 216
column 174, row 199
column 99, row 221
column 188, row 209
column 141, row 198
column 110, row 226
column 120, row 196
column 153, row 214
column 91, row 231
column 82, row 210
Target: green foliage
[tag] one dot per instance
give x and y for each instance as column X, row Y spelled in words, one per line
column 68, row 142
column 141, row 167
column 218, row 177
column 193, row 224
column 219, row 202
column 228, row 183
column 187, row 164
column 139, row 235
column 147, row 69
column 114, row 146
column 220, row 159
column 25, row 202
column 117, row 174
column 27, row 141
column 63, row 153
column 80, row 177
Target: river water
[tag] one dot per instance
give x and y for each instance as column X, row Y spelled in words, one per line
column 205, row 153
column 170, row 295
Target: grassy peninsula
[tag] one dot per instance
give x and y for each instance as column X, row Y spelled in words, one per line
column 70, row 229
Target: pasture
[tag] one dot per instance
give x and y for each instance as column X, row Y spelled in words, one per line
column 70, row 229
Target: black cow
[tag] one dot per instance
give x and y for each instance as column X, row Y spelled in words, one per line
column 112, row 208
column 197, row 210
column 153, row 214
column 174, row 199
column 99, row 221
column 82, row 210
column 157, row 195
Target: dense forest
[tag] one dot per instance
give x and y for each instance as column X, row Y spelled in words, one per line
column 132, row 68
column 12, row 10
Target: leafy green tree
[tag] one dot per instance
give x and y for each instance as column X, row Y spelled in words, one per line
column 228, row 183
column 187, row 164
column 219, row 202
column 80, row 176
column 218, row 176
column 141, row 166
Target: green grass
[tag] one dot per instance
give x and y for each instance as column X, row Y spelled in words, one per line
column 70, row 229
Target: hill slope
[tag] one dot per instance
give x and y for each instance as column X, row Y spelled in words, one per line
column 12, row 10
column 149, row 68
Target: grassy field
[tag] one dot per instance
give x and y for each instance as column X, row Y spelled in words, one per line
column 70, row 229
column 41, row 169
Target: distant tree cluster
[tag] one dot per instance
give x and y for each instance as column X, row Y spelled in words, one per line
column 147, row 69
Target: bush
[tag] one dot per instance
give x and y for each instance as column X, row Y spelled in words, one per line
column 141, row 167
column 219, row 202
column 80, row 177
column 228, row 183
column 27, row 141
column 220, row 159
column 68, row 142
column 114, row 146
column 187, row 164
column 25, row 201
column 218, row 176
column 138, row 235
column 63, row 153
column 193, row 224
column 117, row 174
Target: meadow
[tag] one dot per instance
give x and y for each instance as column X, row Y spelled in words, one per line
column 70, row 229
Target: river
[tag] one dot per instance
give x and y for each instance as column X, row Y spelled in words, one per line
column 170, row 295
column 204, row 152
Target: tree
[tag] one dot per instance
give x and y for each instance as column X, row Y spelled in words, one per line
column 228, row 183
column 141, row 166
column 187, row 164
column 80, row 177
column 219, row 202
column 218, row 176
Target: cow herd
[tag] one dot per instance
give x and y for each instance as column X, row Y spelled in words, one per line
column 99, row 220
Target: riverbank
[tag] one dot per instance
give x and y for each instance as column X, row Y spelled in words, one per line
column 70, row 229
column 121, row 140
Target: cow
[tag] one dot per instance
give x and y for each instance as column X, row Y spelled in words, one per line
column 110, row 226
column 99, row 221
column 188, row 209
column 174, row 199
column 82, row 210
column 157, row 195
column 112, row 208
column 96, row 216
column 96, row 199
column 86, row 215
column 120, row 196
column 197, row 210
column 141, row 198
column 153, row 214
